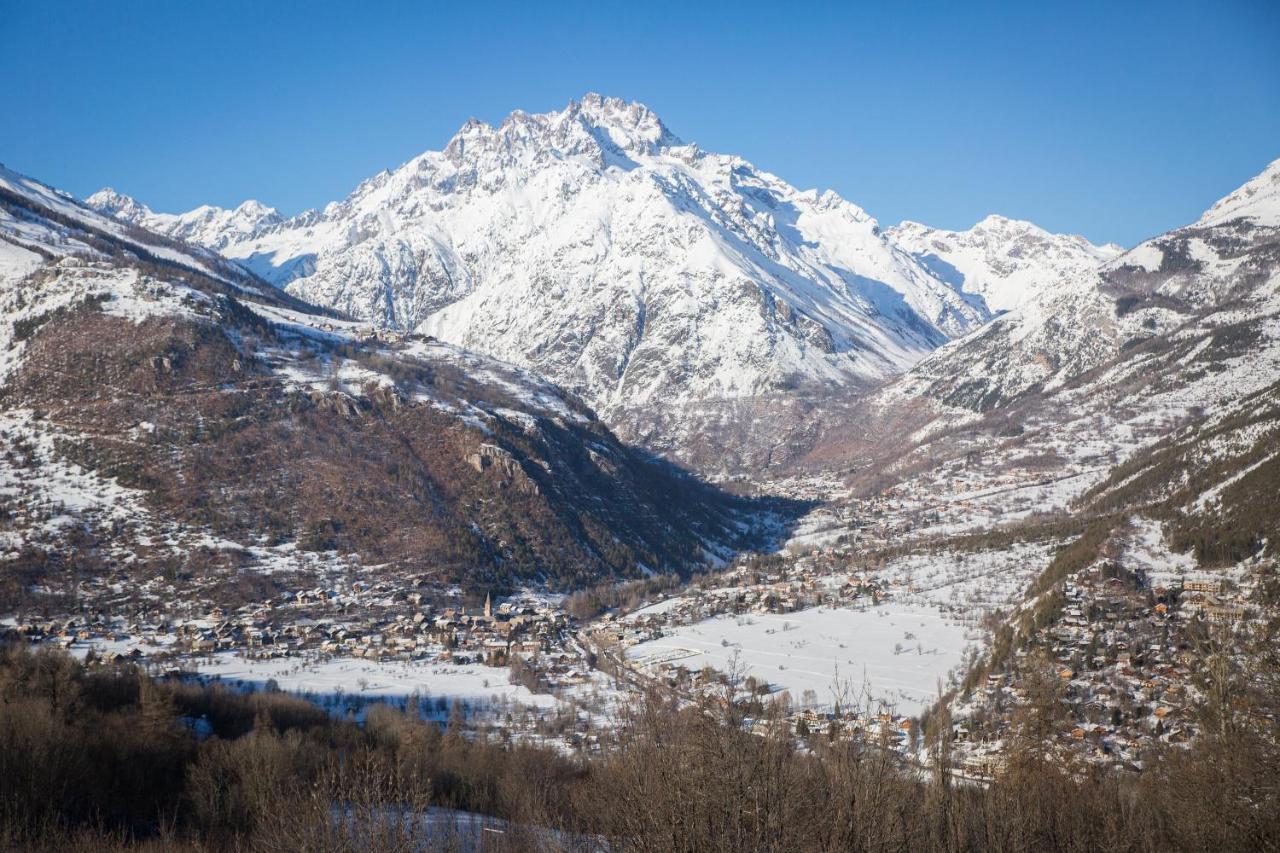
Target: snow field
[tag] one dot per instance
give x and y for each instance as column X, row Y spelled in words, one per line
column 895, row 654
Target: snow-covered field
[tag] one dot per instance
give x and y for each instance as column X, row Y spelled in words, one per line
column 969, row 584
column 893, row 653
column 472, row 684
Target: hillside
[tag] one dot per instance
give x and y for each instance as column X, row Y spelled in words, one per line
column 1091, row 315
column 1090, row 480
column 164, row 413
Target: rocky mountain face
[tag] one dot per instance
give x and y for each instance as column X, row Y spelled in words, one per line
column 212, row 227
column 160, row 408
column 593, row 246
column 1256, row 204
column 39, row 224
column 667, row 286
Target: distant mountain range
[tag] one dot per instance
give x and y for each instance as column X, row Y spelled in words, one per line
column 658, row 281
column 1092, row 314
column 1152, row 382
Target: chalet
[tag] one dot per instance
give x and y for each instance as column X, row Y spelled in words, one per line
column 1225, row 614
column 1202, row 584
column 983, row 764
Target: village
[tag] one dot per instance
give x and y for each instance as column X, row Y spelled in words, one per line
column 1124, row 650
column 528, row 640
column 1129, row 660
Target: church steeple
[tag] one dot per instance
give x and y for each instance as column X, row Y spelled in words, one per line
column 488, row 607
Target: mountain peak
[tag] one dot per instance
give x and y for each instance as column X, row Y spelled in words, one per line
column 631, row 125
column 593, row 122
column 586, row 243
column 205, row 225
column 256, row 210
column 1257, row 200
column 996, row 221
column 117, row 204
column 1004, row 263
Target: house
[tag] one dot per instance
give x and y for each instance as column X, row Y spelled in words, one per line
column 1225, row 614
column 1202, row 584
column 983, row 764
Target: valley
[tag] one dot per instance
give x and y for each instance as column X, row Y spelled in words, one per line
column 573, row 417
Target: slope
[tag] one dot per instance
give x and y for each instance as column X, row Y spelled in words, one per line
column 594, row 247
column 159, row 416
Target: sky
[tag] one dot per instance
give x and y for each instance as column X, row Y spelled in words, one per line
column 1112, row 120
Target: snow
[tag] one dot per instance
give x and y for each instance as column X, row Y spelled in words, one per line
column 893, row 653
column 15, row 261
column 1004, row 263
column 51, row 236
column 968, row 585
column 476, row 684
column 656, row 609
column 1209, row 497
column 1257, row 201
column 1145, row 549
column 52, row 481
column 595, row 248
column 1147, row 256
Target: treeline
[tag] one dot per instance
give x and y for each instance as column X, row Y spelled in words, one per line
column 105, row 758
column 591, row 602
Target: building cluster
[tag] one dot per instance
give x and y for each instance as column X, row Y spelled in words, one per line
column 370, row 620
column 798, row 584
column 1126, row 654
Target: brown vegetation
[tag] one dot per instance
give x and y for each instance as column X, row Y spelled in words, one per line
column 102, row 758
column 232, row 448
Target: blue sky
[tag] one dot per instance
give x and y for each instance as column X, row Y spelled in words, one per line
column 1112, row 120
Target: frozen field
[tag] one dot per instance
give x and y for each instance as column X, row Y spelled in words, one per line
column 474, row 684
column 325, row 681
column 969, row 584
column 893, row 653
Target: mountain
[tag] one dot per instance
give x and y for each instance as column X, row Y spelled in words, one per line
column 1116, row 436
column 162, row 411
column 1144, row 456
column 39, row 223
column 596, row 248
column 212, row 227
column 1149, row 385
column 1001, row 263
column 1256, row 204
column 1091, row 314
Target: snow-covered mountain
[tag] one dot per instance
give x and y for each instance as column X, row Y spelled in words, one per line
column 1204, row 273
column 1257, row 202
column 39, row 223
column 593, row 246
column 1001, row 263
column 213, row 227
column 163, row 405
column 1147, row 389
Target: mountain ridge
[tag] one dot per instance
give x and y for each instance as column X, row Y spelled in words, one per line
column 1003, row 262
column 660, row 282
column 173, row 411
